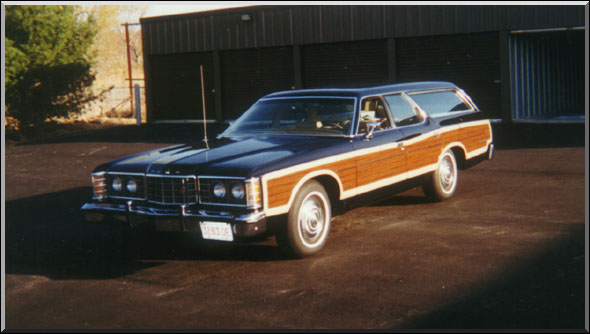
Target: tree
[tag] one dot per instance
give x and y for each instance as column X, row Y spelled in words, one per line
column 111, row 61
column 48, row 61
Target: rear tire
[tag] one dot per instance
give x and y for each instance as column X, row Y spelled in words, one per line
column 307, row 224
column 443, row 182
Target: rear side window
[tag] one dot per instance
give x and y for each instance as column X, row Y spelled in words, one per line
column 440, row 103
column 403, row 113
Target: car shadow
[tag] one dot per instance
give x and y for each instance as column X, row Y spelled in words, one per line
column 544, row 290
column 46, row 235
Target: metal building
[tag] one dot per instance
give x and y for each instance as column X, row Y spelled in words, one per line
column 519, row 63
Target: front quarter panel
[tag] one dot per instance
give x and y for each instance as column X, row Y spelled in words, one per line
column 281, row 185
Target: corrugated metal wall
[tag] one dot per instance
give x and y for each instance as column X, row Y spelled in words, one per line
column 547, row 75
column 250, row 74
column 343, row 46
column 176, row 79
column 355, row 64
column 272, row 26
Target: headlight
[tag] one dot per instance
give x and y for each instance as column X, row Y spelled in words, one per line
column 238, row 191
column 116, row 185
column 219, row 190
column 131, row 186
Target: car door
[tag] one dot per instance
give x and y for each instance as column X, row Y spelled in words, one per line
column 380, row 160
column 420, row 141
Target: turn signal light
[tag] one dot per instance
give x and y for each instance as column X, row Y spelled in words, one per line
column 253, row 194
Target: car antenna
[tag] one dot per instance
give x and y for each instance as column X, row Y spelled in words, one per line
column 204, row 111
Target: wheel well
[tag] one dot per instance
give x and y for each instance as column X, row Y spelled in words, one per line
column 332, row 188
column 459, row 156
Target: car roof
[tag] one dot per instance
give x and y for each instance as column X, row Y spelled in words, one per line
column 366, row 91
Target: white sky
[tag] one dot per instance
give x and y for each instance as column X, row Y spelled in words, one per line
column 172, row 8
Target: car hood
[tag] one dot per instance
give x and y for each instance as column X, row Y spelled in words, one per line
column 245, row 157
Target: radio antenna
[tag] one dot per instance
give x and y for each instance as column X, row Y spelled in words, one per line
column 204, row 111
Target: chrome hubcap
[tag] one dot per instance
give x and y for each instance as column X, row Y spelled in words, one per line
column 446, row 172
column 312, row 219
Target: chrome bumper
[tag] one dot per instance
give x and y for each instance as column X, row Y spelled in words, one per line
column 175, row 219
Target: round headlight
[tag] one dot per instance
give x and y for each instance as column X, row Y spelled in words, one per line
column 219, row 190
column 131, row 186
column 237, row 191
column 116, row 185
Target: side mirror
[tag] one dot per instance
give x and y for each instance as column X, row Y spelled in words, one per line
column 371, row 126
column 229, row 125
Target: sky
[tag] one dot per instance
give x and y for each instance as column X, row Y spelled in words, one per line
column 177, row 8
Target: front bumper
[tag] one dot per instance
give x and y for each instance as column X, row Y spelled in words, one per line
column 172, row 219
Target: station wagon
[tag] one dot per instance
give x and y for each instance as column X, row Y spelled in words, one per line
column 284, row 165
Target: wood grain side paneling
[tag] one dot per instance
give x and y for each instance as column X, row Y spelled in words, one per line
column 280, row 189
column 424, row 153
column 390, row 165
column 475, row 137
column 372, row 167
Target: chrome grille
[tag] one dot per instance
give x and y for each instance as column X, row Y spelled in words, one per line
column 172, row 189
column 205, row 190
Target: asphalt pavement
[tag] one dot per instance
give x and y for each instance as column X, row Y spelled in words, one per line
column 506, row 252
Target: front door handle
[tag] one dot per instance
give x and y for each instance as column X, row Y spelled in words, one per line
column 409, row 137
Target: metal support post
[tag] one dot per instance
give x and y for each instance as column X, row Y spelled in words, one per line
column 129, row 67
column 137, row 105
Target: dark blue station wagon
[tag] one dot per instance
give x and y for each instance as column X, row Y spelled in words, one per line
column 294, row 156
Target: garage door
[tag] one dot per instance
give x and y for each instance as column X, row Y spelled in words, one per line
column 471, row 61
column 176, row 86
column 547, row 77
column 356, row 64
column 250, row 74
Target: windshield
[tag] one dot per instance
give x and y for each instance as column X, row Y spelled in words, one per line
column 323, row 116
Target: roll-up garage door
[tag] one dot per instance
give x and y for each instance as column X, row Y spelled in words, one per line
column 471, row 61
column 340, row 65
column 251, row 74
column 176, row 86
column 547, row 80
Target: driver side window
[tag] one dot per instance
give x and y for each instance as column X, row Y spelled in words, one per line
column 373, row 110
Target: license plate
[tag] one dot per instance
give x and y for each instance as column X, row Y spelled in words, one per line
column 216, row 231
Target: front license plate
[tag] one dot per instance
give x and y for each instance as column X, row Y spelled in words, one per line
column 216, row 231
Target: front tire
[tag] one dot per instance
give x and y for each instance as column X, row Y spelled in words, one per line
column 443, row 182
column 308, row 222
